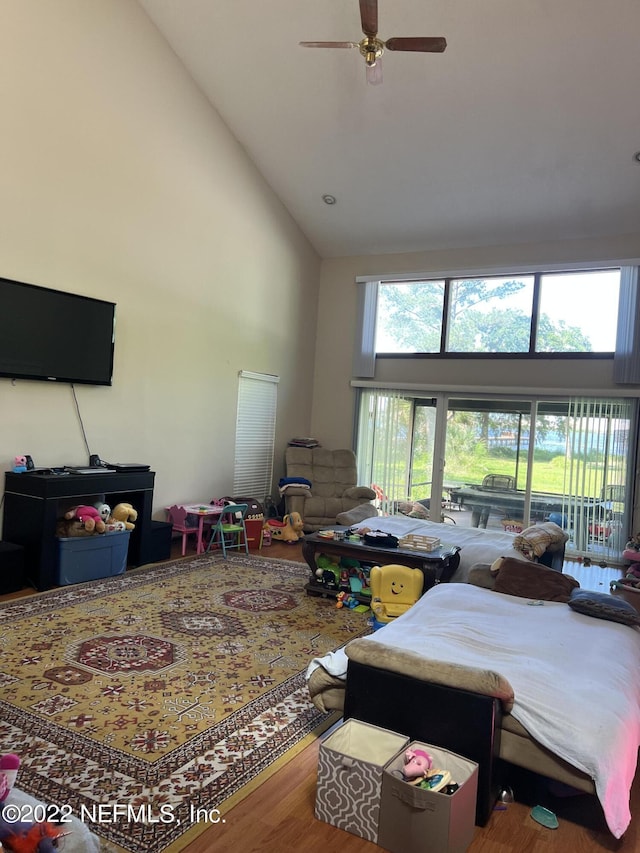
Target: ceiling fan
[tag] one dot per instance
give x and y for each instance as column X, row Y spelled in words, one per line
column 372, row 48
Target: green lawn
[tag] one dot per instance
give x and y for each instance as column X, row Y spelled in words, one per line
column 549, row 474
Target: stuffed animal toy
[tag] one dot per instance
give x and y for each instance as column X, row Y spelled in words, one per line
column 104, row 510
column 126, row 513
column 89, row 516
column 111, row 525
column 417, row 764
column 67, row 528
column 19, row 464
column 9, row 765
column 289, row 529
column 632, row 545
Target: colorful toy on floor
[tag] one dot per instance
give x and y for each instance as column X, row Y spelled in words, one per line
column 345, row 599
column 287, row 530
column 394, row 589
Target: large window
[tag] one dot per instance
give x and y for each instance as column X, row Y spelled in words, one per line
column 550, row 313
column 504, row 463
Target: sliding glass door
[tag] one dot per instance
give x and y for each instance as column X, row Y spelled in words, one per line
column 509, row 463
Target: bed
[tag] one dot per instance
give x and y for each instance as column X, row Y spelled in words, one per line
column 490, row 676
column 480, row 545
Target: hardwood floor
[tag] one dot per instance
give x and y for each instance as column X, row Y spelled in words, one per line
column 278, row 817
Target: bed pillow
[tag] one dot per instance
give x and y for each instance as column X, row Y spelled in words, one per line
column 531, row 580
column 604, row 606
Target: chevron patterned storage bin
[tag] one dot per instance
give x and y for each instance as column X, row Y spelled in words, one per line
column 350, row 765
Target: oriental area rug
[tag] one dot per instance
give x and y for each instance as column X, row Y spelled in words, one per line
column 149, row 703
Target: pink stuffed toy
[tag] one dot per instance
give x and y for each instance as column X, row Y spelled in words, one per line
column 417, row 764
column 89, row 516
column 9, row 765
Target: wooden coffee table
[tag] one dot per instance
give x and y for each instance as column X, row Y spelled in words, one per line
column 437, row 566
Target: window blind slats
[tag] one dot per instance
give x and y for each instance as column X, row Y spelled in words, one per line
column 255, row 435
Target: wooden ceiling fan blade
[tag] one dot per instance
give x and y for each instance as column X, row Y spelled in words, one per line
column 328, row 44
column 426, row 44
column 369, row 17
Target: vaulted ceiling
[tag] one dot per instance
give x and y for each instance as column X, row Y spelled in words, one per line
column 523, row 130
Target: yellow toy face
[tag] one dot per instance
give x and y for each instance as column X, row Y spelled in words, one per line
column 396, row 585
column 397, row 590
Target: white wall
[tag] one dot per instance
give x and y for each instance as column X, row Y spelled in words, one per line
column 333, row 398
column 118, row 180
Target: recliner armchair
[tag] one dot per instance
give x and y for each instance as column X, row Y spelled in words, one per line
column 333, row 490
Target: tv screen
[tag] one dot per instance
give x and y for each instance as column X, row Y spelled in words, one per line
column 56, row 336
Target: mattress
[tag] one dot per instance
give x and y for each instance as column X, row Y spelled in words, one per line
column 571, row 676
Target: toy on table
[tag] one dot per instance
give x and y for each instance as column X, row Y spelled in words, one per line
column 88, row 516
column 394, row 589
column 289, row 529
column 19, row 464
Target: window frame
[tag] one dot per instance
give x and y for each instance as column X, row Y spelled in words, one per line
column 531, row 353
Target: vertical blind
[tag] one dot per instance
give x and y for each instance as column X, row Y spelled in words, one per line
column 384, row 445
column 596, row 505
column 255, row 434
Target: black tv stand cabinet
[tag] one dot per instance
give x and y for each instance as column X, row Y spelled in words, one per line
column 33, row 503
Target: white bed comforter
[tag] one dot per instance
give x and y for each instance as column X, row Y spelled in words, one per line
column 477, row 544
column 575, row 678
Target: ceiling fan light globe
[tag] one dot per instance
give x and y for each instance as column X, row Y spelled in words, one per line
column 374, row 74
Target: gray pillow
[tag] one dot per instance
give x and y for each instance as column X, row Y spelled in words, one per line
column 603, row 606
column 358, row 513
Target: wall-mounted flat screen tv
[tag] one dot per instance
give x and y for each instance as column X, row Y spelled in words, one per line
column 55, row 336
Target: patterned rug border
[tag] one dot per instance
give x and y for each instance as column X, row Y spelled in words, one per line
column 253, row 784
column 301, row 724
column 74, row 593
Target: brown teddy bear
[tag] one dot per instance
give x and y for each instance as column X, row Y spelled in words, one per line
column 67, row 527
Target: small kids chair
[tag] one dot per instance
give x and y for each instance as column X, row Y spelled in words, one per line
column 230, row 524
column 178, row 520
column 394, row 589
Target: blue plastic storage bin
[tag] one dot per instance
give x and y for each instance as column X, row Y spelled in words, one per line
column 89, row 558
